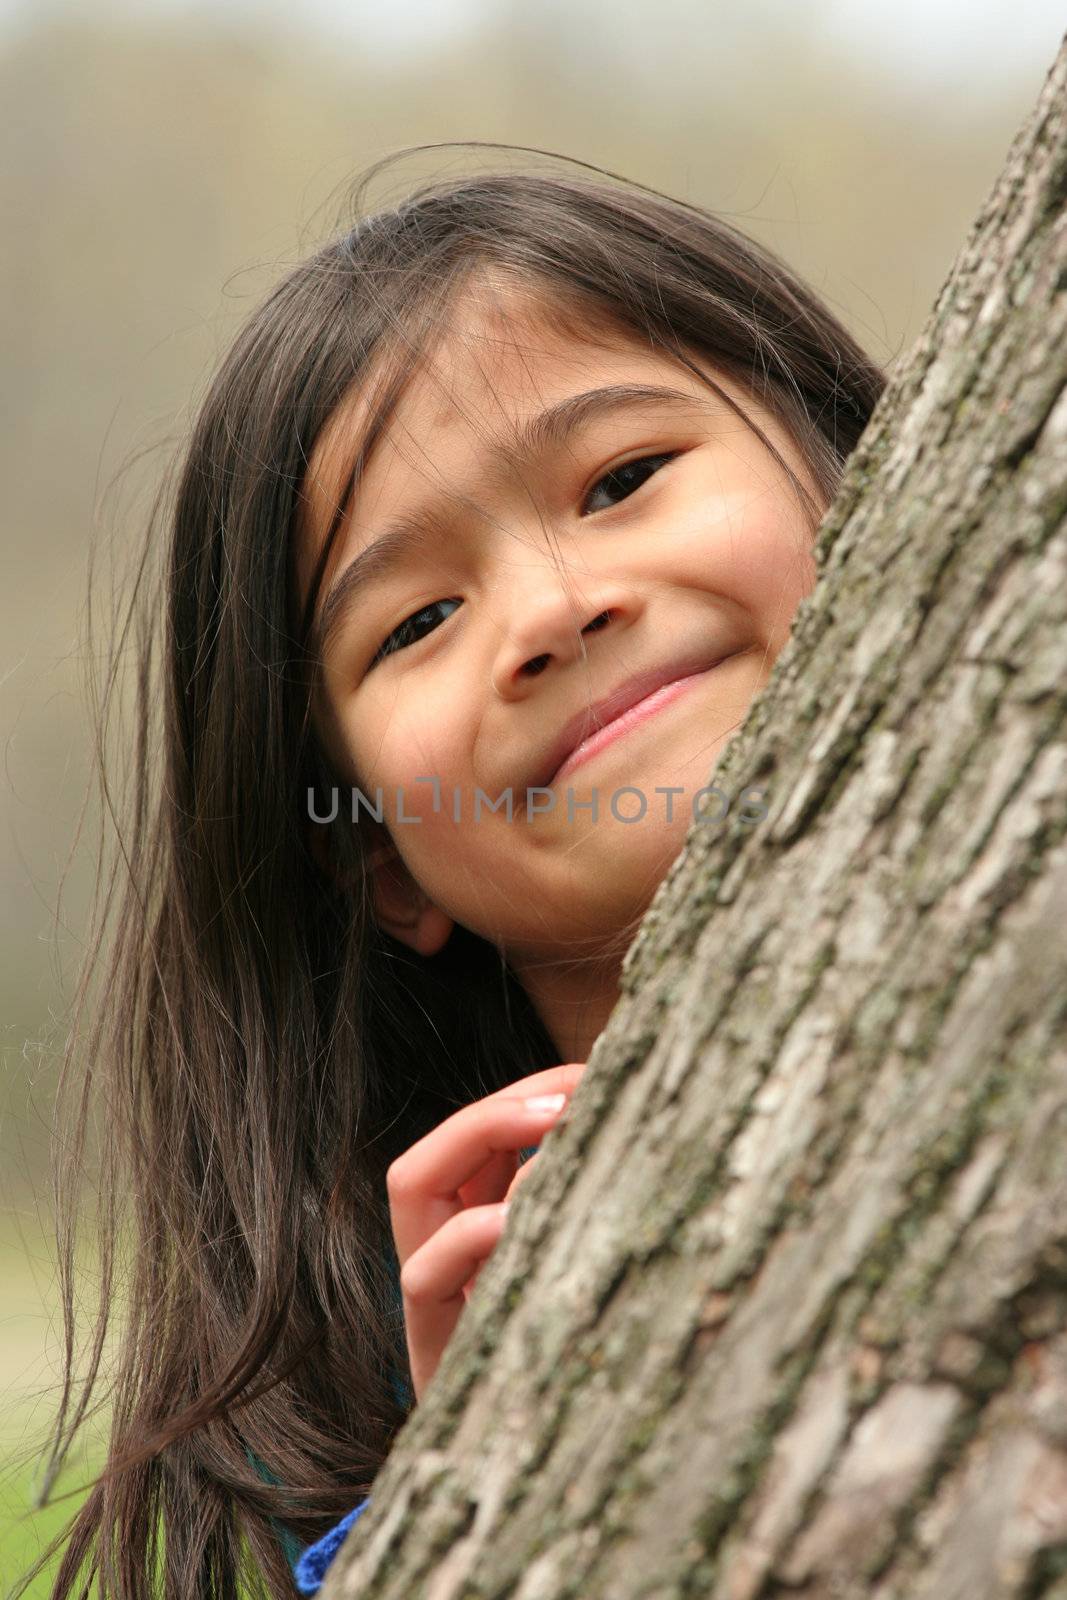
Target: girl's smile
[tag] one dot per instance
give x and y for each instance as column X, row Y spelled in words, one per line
column 476, row 651
column 614, row 717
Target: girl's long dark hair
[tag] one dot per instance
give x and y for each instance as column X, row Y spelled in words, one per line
column 254, row 1052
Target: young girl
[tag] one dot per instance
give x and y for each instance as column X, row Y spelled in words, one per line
column 507, row 492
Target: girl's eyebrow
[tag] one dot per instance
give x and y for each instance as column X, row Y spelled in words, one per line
column 410, row 531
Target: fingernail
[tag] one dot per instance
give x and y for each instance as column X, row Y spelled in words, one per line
column 545, row 1102
column 505, row 1206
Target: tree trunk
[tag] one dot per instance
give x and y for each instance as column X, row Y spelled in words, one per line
column 784, row 1305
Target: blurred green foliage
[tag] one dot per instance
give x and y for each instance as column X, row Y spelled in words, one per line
column 30, row 1335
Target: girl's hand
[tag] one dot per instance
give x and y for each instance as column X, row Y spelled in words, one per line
column 445, row 1196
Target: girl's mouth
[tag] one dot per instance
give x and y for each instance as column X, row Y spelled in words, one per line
column 622, row 724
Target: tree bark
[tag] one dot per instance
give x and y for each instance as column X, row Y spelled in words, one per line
column 784, row 1305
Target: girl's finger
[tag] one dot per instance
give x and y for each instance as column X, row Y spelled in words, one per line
column 497, row 1176
column 424, row 1183
column 509, row 1196
column 491, row 1182
column 432, row 1281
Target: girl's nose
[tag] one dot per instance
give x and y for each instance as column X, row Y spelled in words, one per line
column 556, row 624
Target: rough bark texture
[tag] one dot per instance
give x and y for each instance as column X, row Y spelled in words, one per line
column 784, row 1305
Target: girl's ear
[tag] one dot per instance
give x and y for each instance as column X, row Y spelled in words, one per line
column 401, row 907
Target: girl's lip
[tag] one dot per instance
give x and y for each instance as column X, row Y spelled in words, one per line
column 628, row 719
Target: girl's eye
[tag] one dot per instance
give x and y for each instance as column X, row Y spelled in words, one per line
column 623, row 476
column 407, row 632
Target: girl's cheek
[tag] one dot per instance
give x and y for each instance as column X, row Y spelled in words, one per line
column 419, row 773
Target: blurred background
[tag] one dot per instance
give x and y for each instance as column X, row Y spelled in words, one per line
column 163, row 162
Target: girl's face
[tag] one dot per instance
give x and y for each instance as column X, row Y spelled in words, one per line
column 628, row 531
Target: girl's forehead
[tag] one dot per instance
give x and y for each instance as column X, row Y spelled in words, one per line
column 494, row 358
